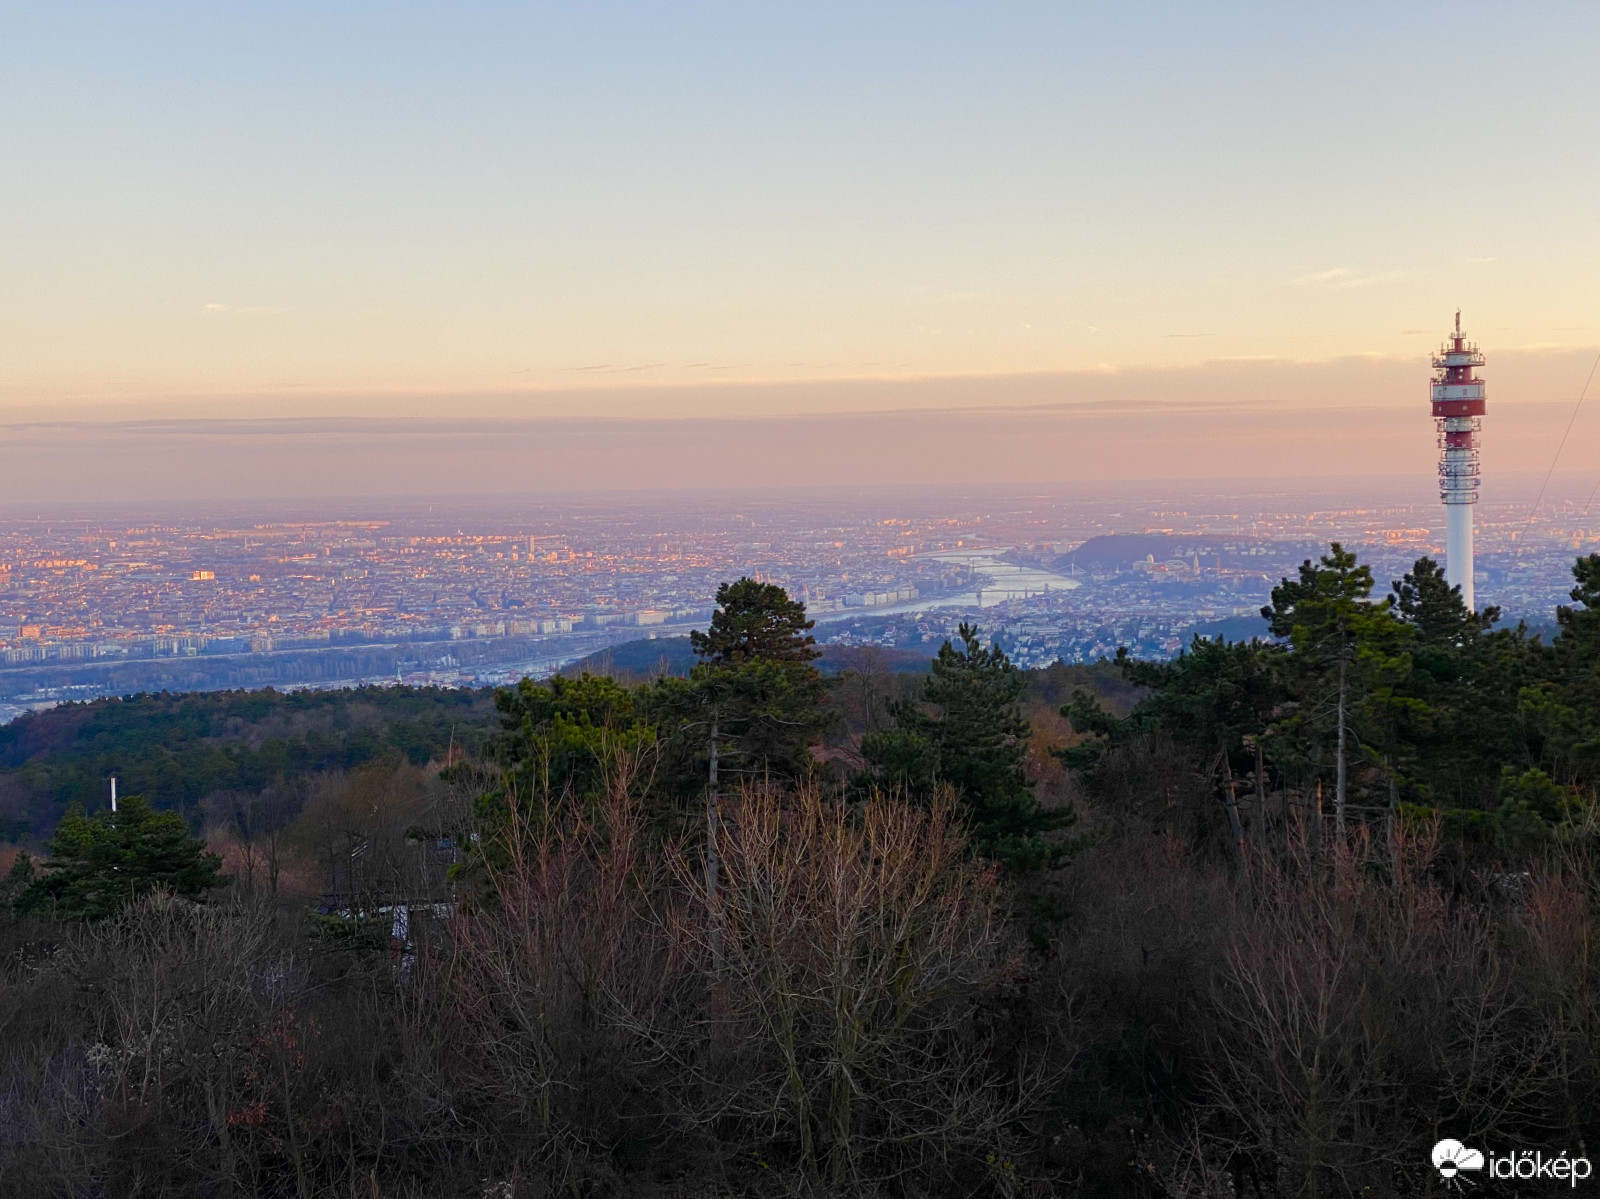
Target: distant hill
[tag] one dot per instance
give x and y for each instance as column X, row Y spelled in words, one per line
column 176, row 749
column 1123, row 549
column 638, row 660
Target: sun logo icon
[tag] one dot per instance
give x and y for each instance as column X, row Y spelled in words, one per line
column 1451, row 1158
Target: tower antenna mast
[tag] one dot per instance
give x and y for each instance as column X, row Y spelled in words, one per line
column 1458, row 408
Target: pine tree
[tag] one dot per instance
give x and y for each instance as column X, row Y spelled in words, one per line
column 1450, row 728
column 967, row 731
column 556, row 734
column 1220, row 698
column 1427, row 601
column 1568, row 709
column 751, row 708
column 98, row 863
column 756, row 622
column 754, row 702
column 1340, row 639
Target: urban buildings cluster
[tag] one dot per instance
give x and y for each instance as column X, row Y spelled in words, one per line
column 92, row 590
column 477, row 594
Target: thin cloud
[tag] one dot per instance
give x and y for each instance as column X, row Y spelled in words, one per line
column 1336, row 275
column 1344, row 277
column 241, row 310
column 608, row 368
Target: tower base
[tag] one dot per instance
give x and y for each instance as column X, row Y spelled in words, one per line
column 1458, row 551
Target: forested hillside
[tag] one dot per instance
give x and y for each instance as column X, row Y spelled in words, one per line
column 178, row 749
column 1271, row 919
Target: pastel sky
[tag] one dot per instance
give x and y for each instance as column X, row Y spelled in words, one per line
column 606, row 209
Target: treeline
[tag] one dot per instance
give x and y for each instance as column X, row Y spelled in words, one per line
column 1372, row 712
column 1270, row 920
column 753, row 712
column 177, row 750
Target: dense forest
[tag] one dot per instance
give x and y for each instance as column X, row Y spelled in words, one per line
column 1270, row 919
column 178, row 749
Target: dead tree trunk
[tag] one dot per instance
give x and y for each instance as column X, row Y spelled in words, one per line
column 713, row 866
column 1394, row 825
column 1230, row 800
column 1316, row 822
column 1260, row 830
column 1339, row 768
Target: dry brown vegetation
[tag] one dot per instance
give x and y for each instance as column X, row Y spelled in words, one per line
column 592, row 1021
column 854, row 1011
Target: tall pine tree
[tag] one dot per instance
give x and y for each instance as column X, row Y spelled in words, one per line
column 1342, row 641
column 966, row 730
column 99, row 863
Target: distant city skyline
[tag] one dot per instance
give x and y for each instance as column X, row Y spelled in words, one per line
column 474, row 592
column 617, row 211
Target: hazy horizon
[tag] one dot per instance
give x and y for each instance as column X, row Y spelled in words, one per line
column 1233, row 424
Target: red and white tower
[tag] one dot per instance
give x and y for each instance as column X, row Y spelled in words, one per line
column 1458, row 407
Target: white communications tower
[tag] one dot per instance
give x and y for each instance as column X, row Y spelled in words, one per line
column 1458, row 407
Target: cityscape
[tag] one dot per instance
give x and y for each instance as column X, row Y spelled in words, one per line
column 473, row 594
column 825, row 601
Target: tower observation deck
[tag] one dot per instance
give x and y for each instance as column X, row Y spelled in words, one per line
column 1458, row 407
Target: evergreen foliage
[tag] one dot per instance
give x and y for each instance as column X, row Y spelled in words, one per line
column 763, row 716
column 755, row 699
column 100, row 863
column 1408, row 707
column 756, row 622
column 966, row 731
column 558, row 734
column 176, row 749
column 1568, row 711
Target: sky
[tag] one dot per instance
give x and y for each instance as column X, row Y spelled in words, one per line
column 1158, row 229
